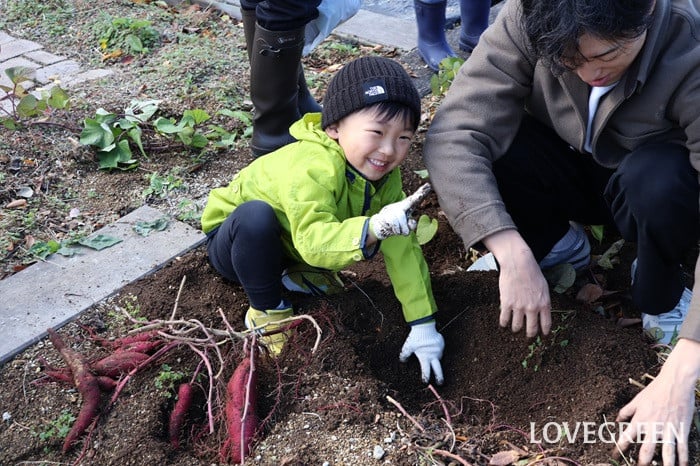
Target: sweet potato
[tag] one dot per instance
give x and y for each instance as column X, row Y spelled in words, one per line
column 118, row 363
column 178, row 414
column 241, row 419
column 86, row 384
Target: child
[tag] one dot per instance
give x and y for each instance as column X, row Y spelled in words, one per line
column 334, row 197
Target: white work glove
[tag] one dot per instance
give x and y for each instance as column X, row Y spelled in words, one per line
column 395, row 219
column 427, row 344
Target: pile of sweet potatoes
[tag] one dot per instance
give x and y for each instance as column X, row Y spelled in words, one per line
column 93, row 378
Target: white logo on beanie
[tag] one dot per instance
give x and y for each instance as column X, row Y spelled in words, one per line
column 375, row 91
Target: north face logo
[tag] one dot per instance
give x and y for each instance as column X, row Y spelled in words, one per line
column 374, row 91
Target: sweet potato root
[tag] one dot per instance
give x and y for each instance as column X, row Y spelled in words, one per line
column 118, row 363
column 86, row 384
column 179, row 413
column 241, row 418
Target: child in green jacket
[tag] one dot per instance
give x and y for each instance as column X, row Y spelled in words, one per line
column 326, row 201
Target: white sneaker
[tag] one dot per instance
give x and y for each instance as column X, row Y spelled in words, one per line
column 664, row 327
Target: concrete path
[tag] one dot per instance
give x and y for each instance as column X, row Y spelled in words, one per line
column 52, row 293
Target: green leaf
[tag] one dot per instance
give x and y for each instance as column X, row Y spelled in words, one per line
column 142, row 110
column 198, row 115
column 18, row 74
column 117, row 157
column 560, row 277
column 198, row 141
column 146, row 228
column 99, row 241
column 27, row 107
column 423, row 174
column 609, row 257
column 134, row 43
column 43, row 249
column 167, row 126
column 135, row 135
column 96, row 134
column 58, row 98
column 426, row 229
column 597, row 232
column 238, row 114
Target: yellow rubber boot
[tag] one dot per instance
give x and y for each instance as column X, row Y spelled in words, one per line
column 266, row 320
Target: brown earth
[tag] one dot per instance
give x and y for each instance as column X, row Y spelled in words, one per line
column 331, row 406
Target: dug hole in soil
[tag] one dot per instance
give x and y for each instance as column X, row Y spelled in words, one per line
column 333, row 406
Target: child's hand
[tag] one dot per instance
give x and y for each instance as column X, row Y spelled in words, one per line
column 395, row 219
column 427, row 344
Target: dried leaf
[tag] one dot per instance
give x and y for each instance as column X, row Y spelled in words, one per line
column 16, row 204
column 504, row 458
column 590, row 292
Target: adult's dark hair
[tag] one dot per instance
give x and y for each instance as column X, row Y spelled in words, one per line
column 554, row 27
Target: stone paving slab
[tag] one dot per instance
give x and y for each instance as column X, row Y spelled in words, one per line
column 52, row 293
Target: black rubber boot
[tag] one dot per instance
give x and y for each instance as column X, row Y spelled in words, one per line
column 274, row 86
column 307, row 103
column 432, row 43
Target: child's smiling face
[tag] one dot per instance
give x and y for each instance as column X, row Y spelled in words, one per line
column 373, row 144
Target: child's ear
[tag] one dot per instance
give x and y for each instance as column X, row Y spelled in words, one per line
column 332, row 131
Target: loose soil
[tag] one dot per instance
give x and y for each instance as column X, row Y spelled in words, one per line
column 341, row 403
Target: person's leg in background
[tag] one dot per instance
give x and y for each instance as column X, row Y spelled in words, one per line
column 475, row 19
column 274, row 32
column 654, row 200
column 432, row 42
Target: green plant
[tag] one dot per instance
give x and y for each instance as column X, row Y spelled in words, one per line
column 186, row 129
column 58, row 428
column 442, row 80
column 111, row 134
column 532, row 348
column 127, row 36
column 162, row 186
column 24, row 105
column 49, row 15
column 167, row 379
column 188, row 210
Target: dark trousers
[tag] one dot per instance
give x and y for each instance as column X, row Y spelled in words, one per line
column 651, row 197
column 247, row 249
column 282, row 15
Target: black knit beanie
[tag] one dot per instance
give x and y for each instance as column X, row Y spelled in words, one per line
column 366, row 81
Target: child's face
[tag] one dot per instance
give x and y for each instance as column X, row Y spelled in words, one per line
column 373, row 145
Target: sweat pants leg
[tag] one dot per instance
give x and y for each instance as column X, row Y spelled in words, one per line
column 247, row 249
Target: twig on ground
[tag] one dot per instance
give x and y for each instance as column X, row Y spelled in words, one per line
column 405, row 413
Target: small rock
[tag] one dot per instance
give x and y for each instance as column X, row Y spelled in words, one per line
column 6, row 416
column 378, row 452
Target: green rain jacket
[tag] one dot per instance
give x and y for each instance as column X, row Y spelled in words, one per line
column 323, row 205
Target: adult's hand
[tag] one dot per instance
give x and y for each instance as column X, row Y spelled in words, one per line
column 663, row 411
column 524, row 291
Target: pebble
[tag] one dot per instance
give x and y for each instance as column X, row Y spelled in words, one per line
column 378, row 452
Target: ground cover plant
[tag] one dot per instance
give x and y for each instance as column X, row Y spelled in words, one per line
column 338, row 394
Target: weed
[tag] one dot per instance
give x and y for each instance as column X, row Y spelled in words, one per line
column 442, row 80
column 167, row 379
column 188, row 211
column 58, row 428
column 161, row 186
column 127, row 36
column 532, row 348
